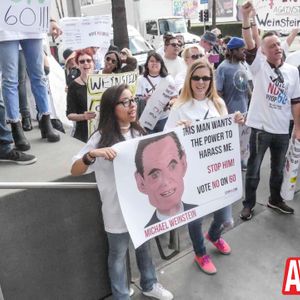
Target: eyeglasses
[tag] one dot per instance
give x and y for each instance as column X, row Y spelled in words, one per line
column 123, row 52
column 126, row 102
column 109, row 59
column 82, row 61
column 174, row 45
column 204, row 78
column 196, row 56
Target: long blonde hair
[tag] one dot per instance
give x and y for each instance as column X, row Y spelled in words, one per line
column 211, row 93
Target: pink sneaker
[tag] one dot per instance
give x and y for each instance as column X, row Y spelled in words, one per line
column 220, row 244
column 205, row 264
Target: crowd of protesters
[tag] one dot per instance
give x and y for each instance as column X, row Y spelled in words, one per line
column 216, row 77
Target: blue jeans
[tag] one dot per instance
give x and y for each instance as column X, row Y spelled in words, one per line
column 222, row 219
column 118, row 246
column 24, row 109
column 5, row 134
column 259, row 142
column 9, row 58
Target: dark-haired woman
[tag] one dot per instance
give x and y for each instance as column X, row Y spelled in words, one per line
column 112, row 62
column 77, row 95
column 117, row 123
column 155, row 73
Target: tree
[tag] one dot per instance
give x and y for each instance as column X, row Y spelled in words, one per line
column 119, row 23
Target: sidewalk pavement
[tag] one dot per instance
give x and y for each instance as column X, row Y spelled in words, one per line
column 254, row 269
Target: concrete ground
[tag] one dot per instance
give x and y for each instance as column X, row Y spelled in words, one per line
column 254, row 269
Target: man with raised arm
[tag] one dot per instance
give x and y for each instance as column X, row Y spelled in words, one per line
column 275, row 96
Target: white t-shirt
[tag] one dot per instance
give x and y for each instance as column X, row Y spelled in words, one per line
column 145, row 89
column 294, row 58
column 174, row 66
column 179, row 80
column 270, row 106
column 105, row 178
column 6, row 35
column 194, row 110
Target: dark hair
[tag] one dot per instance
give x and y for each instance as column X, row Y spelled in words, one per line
column 118, row 58
column 81, row 52
column 163, row 69
column 109, row 127
column 144, row 143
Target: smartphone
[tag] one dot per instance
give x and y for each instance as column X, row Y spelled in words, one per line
column 214, row 58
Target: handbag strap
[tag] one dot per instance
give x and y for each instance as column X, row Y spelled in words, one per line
column 152, row 85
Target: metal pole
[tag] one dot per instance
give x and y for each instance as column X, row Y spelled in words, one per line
column 74, row 9
column 47, row 185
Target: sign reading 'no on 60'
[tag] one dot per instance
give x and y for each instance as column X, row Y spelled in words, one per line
column 25, row 15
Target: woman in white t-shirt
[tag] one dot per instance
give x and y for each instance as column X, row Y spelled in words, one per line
column 155, row 72
column 117, row 123
column 199, row 100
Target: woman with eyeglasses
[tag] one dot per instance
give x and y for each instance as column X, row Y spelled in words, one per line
column 77, row 95
column 117, row 123
column 155, row 72
column 199, row 100
column 189, row 55
column 112, row 62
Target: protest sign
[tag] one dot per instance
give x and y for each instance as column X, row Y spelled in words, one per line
column 83, row 32
column 98, row 83
column 185, row 179
column 25, row 16
column 157, row 102
column 290, row 171
column 280, row 15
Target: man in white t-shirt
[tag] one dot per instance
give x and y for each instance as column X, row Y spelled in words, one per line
column 275, row 95
column 173, row 62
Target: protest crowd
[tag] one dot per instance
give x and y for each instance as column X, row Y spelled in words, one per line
column 252, row 77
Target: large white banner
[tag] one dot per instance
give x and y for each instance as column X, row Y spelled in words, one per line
column 25, row 15
column 282, row 15
column 79, row 33
column 168, row 179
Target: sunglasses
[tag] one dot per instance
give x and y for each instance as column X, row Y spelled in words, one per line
column 82, row 61
column 123, row 52
column 109, row 59
column 196, row 56
column 128, row 101
column 204, row 78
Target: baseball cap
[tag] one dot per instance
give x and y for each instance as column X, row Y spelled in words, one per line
column 235, row 43
column 209, row 37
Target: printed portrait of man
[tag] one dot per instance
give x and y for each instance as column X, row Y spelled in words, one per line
column 160, row 168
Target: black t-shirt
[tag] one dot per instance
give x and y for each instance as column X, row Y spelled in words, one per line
column 77, row 103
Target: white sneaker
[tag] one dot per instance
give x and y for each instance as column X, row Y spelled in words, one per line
column 131, row 291
column 159, row 292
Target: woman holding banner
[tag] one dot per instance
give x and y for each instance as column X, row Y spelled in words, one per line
column 155, row 72
column 117, row 123
column 77, row 95
column 199, row 100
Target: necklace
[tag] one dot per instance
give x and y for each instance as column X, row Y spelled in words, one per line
column 83, row 80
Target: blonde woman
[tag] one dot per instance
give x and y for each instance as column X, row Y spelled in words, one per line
column 199, row 100
column 189, row 55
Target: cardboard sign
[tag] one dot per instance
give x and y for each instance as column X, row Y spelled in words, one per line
column 25, row 16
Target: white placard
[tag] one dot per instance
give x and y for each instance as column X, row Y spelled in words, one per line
column 79, row 33
column 157, row 102
column 282, row 15
column 25, row 15
column 187, row 185
column 291, row 170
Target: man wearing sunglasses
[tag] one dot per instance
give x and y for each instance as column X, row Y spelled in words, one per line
column 173, row 62
column 275, row 96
